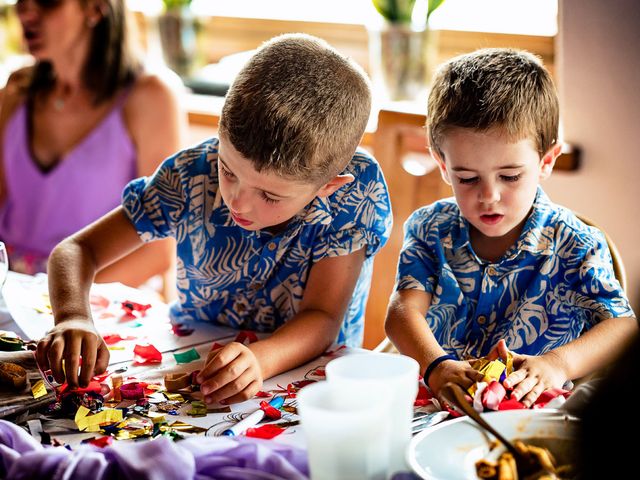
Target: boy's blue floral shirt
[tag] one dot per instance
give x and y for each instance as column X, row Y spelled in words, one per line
column 554, row 283
column 256, row 280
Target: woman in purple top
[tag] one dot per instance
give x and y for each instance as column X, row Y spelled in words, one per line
column 75, row 128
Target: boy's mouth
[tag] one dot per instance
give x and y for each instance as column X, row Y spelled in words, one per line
column 491, row 219
column 240, row 221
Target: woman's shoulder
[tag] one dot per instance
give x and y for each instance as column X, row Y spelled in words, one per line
column 15, row 91
column 149, row 93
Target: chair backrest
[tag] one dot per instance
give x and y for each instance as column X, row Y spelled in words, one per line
column 618, row 266
column 618, row 269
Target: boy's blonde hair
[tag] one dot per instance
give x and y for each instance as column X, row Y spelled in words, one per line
column 298, row 108
column 494, row 87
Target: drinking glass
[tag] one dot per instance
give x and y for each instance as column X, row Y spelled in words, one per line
column 4, row 264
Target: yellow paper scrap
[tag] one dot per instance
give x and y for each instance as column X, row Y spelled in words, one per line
column 174, row 397
column 91, row 423
column 38, row 389
column 157, row 417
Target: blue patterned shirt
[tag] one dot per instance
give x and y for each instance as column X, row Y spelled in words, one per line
column 254, row 279
column 554, row 283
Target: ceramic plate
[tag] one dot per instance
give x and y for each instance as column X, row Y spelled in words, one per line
column 449, row 451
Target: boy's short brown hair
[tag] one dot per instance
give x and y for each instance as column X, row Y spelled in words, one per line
column 494, row 87
column 298, row 108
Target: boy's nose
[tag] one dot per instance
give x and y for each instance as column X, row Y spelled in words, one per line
column 239, row 201
column 489, row 194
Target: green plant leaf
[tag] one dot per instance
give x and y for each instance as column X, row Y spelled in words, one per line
column 433, row 4
column 174, row 4
column 395, row 11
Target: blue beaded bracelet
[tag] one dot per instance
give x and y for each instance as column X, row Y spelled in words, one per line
column 432, row 366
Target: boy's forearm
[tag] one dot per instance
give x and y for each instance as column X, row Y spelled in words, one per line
column 298, row 341
column 596, row 348
column 409, row 332
column 70, row 275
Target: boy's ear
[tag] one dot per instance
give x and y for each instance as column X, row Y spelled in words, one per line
column 334, row 184
column 442, row 165
column 548, row 160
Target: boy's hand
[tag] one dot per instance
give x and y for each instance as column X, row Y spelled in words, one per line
column 532, row 374
column 231, row 374
column 459, row 372
column 67, row 342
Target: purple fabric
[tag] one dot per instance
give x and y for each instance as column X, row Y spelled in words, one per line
column 41, row 208
column 22, row 458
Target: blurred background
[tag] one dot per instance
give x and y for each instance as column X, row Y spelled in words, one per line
column 589, row 46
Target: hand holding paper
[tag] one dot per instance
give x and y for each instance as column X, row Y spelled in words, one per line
column 68, row 341
column 232, row 374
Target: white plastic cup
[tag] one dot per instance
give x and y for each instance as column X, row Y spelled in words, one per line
column 379, row 373
column 346, row 432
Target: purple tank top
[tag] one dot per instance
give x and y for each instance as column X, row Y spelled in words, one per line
column 42, row 208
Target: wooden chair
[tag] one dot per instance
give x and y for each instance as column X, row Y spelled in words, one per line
column 386, row 346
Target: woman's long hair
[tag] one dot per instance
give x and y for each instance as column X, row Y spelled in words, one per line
column 112, row 62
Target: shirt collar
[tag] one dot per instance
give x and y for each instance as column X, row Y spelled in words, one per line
column 536, row 236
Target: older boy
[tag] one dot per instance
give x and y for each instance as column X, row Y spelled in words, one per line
column 500, row 266
column 276, row 224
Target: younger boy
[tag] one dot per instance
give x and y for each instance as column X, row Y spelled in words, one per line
column 500, row 265
column 276, row 224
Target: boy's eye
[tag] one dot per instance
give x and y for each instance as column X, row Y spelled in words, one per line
column 268, row 199
column 468, row 181
column 510, row 178
column 226, row 172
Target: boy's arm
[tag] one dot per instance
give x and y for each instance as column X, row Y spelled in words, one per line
column 407, row 328
column 72, row 267
column 591, row 351
column 236, row 372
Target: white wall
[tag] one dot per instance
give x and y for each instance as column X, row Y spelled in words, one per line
column 598, row 71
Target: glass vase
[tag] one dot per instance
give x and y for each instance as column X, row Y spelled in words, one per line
column 402, row 59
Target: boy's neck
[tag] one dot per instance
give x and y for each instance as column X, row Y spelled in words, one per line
column 493, row 249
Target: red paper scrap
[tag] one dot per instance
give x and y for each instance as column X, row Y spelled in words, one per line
column 181, row 330
column 101, row 442
column 144, row 354
column 113, row 338
column 246, row 335
column 423, row 397
column 493, row 395
column 265, row 431
column 262, row 394
column 135, row 309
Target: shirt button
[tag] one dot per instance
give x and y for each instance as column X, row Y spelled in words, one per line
column 482, row 319
column 491, row 271
column 271, row 246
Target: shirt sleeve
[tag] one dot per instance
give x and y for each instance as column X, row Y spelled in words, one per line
column 417, row 266
column 599, row 295
column 360, row 211
column 156, row 204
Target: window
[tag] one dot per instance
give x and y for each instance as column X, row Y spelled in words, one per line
column 530, row 17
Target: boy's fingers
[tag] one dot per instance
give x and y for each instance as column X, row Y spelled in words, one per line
column 89, row 354
column 102, row 359
column 245, row 394
column 72, row 360
column 515, row 378
column 524, row 387
column 233, row 387
column 41, row 355
column 222, row 359
column 533, row 395
column 54, row 355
